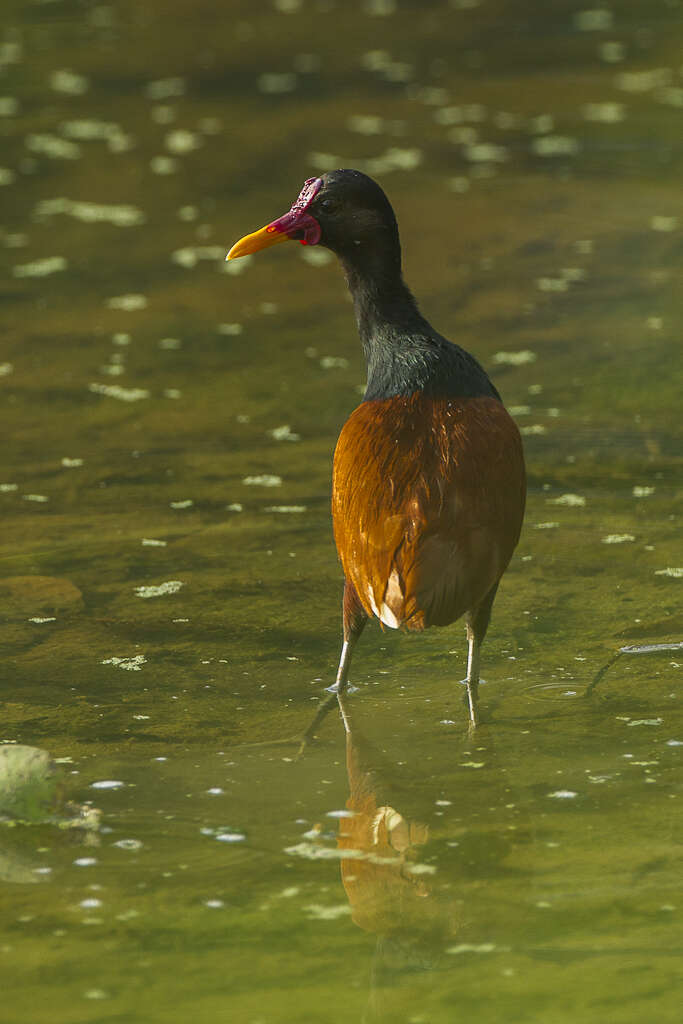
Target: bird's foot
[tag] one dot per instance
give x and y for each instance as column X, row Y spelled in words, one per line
column 471, row 701
column 334, row 688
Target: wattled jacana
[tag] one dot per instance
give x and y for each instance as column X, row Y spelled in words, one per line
column 428, row 483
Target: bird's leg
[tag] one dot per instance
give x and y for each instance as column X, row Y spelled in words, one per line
column 344, row 714
column 477, row 623
column 354, row 619
column 473, row 651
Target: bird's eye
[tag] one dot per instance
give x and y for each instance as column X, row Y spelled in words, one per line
column 329, row 205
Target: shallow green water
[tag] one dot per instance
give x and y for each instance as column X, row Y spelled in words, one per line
column 532, row 873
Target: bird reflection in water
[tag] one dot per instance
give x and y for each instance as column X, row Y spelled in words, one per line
column 389, row 887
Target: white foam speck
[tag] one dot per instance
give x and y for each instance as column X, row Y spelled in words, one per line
column 69, row 82
column 128, row 844
column 365, row 124
column 96, row 993
column 236, row 267
column 284, row 433
column 482, row 947
column 515, row 358
column 160, row 589
column 230, row 837
column 116, row 391
column 334, row 363
column 191, row 255
column 571, row 500
column 286, row 509
column 122, row 215
column 163, row 165
column 486, row 152
column 132, row 664
column 661, row 223
column 552, row 284
column 605, row 113
column 555, row 145
column 40, row 268
column 324, row 161
column 181, row 141
column 128, row 303
column 315, row 257
column 612, row 52
column 9, row 106
column 536, row 428
column 263, row 480
column 672, row 95
column 394, row 159
column 644, row 81
column 316, row 912
column 598, row 19
column 165, row 88
column 44, row 144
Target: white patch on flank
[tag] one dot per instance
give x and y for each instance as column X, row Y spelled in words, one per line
column 393, row 593
column 388, row 617
column 384, row 614
column 373, row 603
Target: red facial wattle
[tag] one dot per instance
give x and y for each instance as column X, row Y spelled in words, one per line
column 298, row 225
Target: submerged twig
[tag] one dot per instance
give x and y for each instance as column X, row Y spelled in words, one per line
column 674, row 645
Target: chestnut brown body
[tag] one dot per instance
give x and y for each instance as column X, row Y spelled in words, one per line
column 427, row 502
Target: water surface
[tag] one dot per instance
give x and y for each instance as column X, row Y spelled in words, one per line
column 169, row 591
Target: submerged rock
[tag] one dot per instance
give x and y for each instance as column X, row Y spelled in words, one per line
column 32, row 791
column 22, row 596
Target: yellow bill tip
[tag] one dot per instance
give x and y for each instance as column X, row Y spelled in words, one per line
column 261, row 239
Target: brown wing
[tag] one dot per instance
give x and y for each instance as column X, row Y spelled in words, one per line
column 427, row 501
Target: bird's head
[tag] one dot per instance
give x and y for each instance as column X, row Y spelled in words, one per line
column 344, row 210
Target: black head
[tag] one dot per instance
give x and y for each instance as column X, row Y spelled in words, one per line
column 354, row 214
column 344, row 210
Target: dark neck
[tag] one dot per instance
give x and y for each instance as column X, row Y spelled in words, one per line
column 381, row 300
column 403, row 352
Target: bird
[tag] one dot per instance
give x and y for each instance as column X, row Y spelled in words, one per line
column 428, row 480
